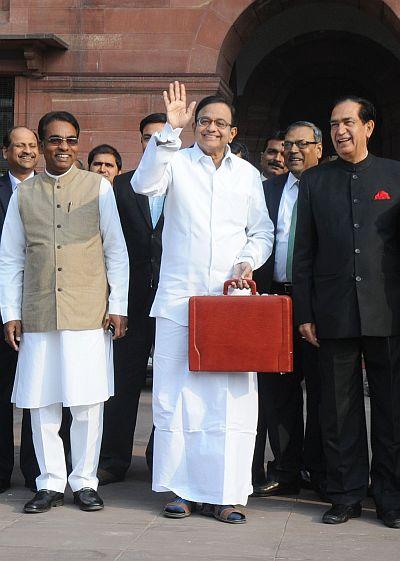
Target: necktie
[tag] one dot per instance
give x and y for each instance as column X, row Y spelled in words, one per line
column 292, row 232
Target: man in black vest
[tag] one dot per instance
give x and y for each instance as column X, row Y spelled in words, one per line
column 20, row 149
column 281, row 396
column 347, row 302
column 142, row 227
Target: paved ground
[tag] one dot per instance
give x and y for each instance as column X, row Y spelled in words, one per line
column 131, row 527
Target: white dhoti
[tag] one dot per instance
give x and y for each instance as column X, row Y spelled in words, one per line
column 205, row 424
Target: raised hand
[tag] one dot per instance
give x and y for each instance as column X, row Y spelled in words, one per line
column 178, row 115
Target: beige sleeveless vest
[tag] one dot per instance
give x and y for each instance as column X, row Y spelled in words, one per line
column 65, row 284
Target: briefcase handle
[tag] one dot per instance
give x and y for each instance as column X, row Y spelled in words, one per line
column 251, row 284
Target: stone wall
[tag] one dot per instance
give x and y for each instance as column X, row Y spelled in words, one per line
column 122, row 53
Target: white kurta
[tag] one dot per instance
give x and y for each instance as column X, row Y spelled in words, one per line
column 68, row 367
column 213, row 219
column 205, row 423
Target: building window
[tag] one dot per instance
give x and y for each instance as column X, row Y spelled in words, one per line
column 6, row 112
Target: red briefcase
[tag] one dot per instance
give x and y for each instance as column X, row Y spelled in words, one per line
column 240, row 333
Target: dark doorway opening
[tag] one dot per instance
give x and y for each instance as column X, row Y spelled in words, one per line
column 301, row 79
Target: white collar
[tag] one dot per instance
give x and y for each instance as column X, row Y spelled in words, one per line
column 291, row 181
column 15, row 181
column 197, row 154
column 58, row 176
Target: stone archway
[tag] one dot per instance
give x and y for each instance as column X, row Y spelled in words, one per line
column 288, row 59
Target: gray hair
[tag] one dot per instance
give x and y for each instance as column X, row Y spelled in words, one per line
column 316, row 131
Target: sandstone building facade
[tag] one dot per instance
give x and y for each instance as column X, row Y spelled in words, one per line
column 107, row 62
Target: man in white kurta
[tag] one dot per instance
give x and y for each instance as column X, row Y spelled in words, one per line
column 216, row 228
column 71, row 366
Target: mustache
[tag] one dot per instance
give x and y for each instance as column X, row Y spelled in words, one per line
column 275, row 163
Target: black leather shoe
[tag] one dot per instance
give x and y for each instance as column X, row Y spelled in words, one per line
column 391, row 518
column 274, row 488
column 4, row 485
column 338, row 514
column 88, row 499
column 43, row 501
column 105, row 477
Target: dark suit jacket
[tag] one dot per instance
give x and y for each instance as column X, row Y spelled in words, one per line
column 143, row 243
column 346, row 269
column 5, row 196
column 273, row 189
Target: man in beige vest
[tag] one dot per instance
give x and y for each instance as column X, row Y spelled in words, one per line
column 63, row 288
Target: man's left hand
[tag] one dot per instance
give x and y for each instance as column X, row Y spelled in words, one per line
column 242, row 272
column 120, row 324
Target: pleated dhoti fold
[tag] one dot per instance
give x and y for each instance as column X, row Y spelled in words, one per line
column 205, row 424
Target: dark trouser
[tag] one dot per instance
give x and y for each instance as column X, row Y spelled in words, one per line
column 343, row 419
column 313, row 453
column 131, row 354
column 28, row 463
column 281, row 416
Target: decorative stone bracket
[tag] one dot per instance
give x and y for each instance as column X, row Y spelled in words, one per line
column 31, row 51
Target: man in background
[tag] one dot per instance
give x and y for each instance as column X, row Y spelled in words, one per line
column 105, row 160
column 281, row 396
column 142, row 221
column 272, row 160
column 21, row 150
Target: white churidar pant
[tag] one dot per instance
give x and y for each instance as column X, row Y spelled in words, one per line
column 86, row 433
column 205, row 424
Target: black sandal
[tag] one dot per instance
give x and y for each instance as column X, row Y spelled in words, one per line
column 224, row 513
column 179, row 508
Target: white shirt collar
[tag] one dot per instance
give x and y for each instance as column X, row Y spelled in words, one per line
column 58, row 176
column 15, row 181
column 291, row 181
column 197, row 154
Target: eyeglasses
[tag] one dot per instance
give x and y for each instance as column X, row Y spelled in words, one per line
column 299, row 143
column 58, row 140
column 219, row 123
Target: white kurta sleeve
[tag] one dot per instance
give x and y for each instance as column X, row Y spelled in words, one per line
column 153, row 174
column 260, row 229
column 115, row 252
column 12, row 262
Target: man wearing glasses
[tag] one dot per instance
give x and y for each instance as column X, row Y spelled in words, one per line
column 216, row 228
column 281, row 397
column 63, row 285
